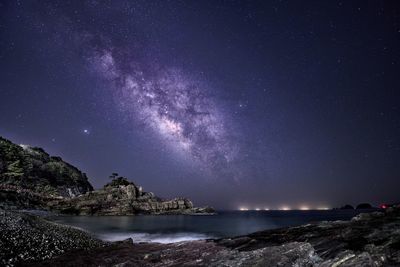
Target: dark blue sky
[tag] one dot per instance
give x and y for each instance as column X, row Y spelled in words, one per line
column 252, row 103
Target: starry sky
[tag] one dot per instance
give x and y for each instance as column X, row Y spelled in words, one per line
column 256, row 104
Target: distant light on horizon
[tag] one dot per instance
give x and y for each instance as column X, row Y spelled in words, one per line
column 284, row 208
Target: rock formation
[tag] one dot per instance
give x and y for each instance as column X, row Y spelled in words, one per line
column 32, row 179
column 32, row 169
column 121, row 197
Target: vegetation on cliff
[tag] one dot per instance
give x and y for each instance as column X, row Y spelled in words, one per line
column 31, row 168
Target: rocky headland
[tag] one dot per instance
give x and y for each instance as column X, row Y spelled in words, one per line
column 121, row 197
column 369, row 239
column 32, row 179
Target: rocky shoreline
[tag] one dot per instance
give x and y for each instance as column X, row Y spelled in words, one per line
column 369, row 239
column 29, row 238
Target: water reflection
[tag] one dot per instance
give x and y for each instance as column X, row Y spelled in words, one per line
column 174, row 228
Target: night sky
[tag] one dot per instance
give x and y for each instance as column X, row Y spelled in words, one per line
column 256, row 104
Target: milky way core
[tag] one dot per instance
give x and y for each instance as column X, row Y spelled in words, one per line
column 179, row 109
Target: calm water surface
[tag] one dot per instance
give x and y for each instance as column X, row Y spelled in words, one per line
column 175, row 228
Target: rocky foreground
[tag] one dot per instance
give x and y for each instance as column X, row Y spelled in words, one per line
column 29, row 238
column 370, row 239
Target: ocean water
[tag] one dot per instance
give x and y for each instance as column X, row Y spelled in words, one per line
column 176, row 228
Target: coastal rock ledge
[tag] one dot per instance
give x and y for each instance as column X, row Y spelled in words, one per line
column 121, row 197
column 367, row 240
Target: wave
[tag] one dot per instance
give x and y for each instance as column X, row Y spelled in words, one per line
column 164, row 238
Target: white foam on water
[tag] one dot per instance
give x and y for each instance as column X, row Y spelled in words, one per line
column 154, row 238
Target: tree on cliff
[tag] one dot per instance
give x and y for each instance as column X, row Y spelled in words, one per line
column 117, row 180
column 113, row 175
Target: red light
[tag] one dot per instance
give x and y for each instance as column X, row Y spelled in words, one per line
column 383, row 206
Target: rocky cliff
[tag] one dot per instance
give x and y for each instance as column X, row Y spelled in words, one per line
column 32, row 169
column 32, row 179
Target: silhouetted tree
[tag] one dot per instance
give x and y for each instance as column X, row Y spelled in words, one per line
column 113, row 175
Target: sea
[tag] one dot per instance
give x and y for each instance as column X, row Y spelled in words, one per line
column 177, row 228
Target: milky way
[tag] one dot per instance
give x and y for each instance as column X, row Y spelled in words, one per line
column 179, row 109
column 258, row 104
